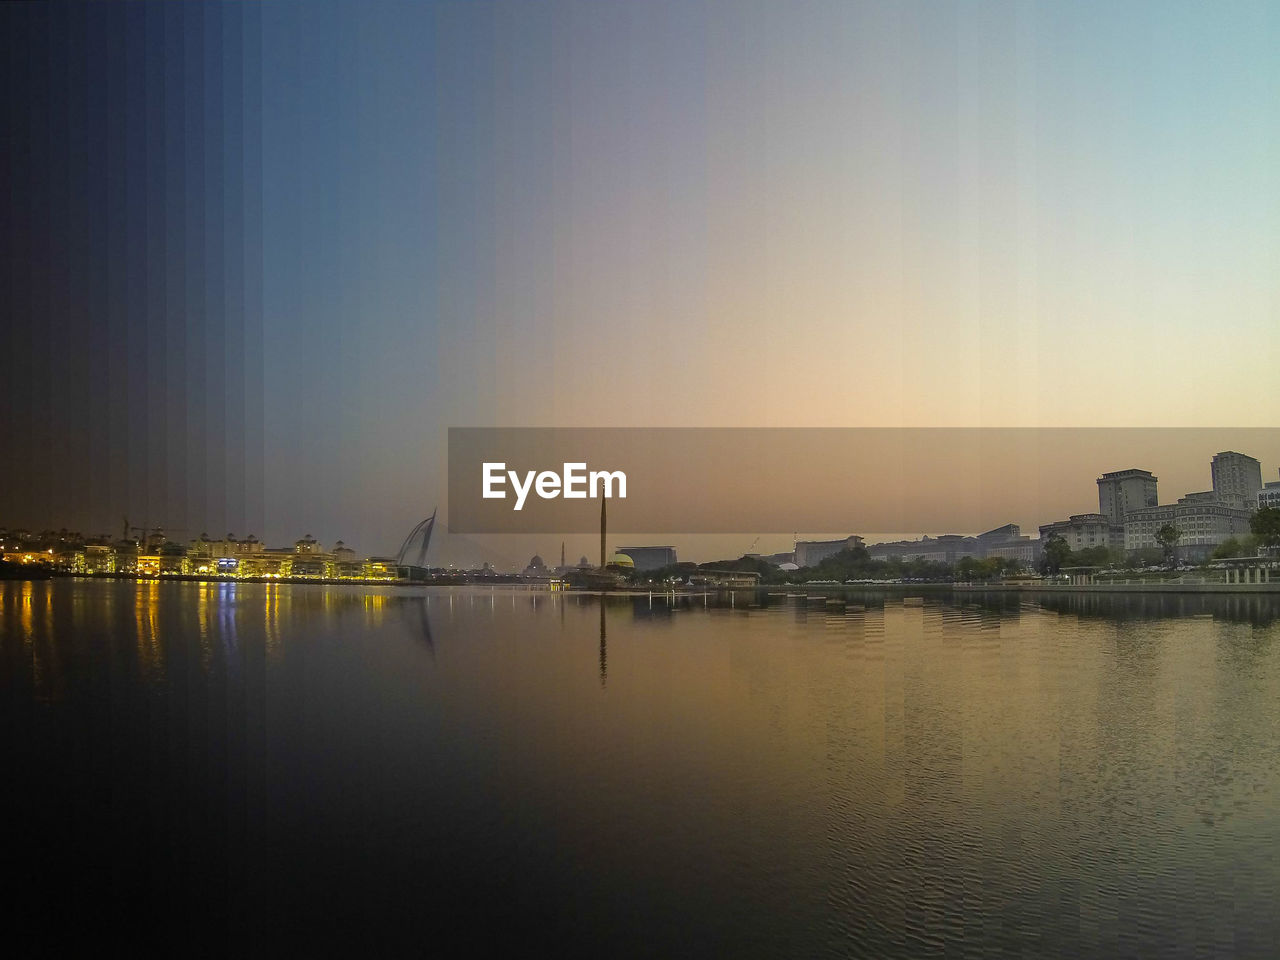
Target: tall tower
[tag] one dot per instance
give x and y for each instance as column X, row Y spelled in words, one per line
column 1123, row 490
column 1237, row 478
column 603, row 556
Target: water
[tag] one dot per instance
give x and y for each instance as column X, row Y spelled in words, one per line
column 284, row 769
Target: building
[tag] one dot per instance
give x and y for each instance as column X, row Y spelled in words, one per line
column 1086, row 530
column 725, row 578
column 810, row 553
column 1023, row 549
column 1008, row 543
column 1237, row 478
column 650, row 558
column 536, row 569
column 1010, row 531
column 1269, row 495
column 947, row 548
column 1122, row 491
column 310, row 559
column 346, row 565
column 1202, row 522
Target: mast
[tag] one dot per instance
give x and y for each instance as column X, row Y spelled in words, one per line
column 603, row 557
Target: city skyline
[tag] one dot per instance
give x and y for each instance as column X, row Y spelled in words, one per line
column 1118, row 509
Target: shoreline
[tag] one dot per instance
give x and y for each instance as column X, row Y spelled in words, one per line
column 1272, row 587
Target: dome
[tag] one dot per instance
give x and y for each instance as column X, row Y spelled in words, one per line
column 537, row 561
column 788, row 566
column 621, row 560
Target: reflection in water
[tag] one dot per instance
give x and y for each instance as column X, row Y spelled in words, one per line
column 769, row 775
column 420, row 614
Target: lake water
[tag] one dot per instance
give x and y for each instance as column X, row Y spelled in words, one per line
column 285, row 769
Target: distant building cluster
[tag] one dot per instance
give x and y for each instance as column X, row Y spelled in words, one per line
column 1130, row 514
column 152, row 554
column 1006, row 542
column 1129, row 518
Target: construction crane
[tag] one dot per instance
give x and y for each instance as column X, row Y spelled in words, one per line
column 140, row 533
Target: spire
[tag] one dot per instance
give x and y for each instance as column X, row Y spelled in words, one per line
column 603, row 556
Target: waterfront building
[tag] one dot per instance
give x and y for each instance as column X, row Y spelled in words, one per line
column 1202, row 522
column 382, row 568
column 810, row 553
column 310, row 559
column 228, row 547
column 1121, row 491
column 650, row 558
column 1022, row 549
column 126, row 556
column 269, row 562
column 725, row 578
column 1086, row 530
column 98, row 558
column 1237, row 478
column 947, row 548
column 173, row 560
column 1009, row 543
column 346, row 565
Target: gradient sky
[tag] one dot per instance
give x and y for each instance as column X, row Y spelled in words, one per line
column 259, row 258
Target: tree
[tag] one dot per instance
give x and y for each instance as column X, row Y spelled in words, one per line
column 1229, row 547
column 1265, row 524
column 1056, row 553
column 1168, row 537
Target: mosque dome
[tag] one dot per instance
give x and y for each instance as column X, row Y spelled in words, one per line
column 621, row 560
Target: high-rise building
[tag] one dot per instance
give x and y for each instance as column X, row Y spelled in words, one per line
column 1237, row 478
column 1121, row 491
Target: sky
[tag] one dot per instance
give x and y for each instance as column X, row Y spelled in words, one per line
column 259, row 258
